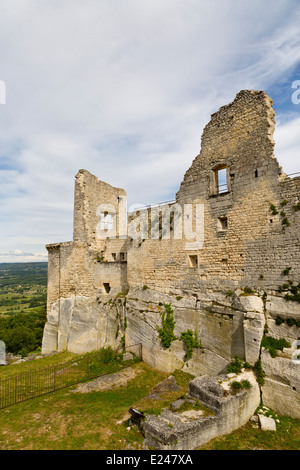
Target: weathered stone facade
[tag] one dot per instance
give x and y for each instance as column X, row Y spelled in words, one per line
column 237, row 278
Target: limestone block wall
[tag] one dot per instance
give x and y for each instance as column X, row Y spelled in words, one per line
column 69, row 271
column 255, row 246
column 239, row 136
column 113, row 250
column 70, row 277
column 76, row 280
column 281, row 389
column 53, row 286
column 111, row 277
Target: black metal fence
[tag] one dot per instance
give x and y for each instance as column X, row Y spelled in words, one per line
column 39, row 382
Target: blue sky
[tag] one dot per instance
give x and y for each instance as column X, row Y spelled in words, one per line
column 124, row 90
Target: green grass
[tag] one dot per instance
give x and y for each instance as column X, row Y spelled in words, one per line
column 72, row 421
column 15, row 369
column 151, row 405
column 250, row 437
column 37, row 381
column 273, row 345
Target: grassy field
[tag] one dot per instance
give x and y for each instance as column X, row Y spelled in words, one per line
column 251, row 437
column 75, row 421
column 98, row 420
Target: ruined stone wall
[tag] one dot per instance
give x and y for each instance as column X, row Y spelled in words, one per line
column 256, row 246
column 69, row 271
column 53, row 287
column 230, row 290
column 219, row 327
column 90, row 195
column 70, row 286
column 113, row 250
column 258, row 250
column 92, row 265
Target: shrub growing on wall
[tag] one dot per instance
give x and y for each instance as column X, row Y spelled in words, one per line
column 191, row 342
column 273, row 344
column 166, row 332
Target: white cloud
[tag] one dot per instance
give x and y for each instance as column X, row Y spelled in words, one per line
column 124, row 90
column 22, row 257
column 287, row 149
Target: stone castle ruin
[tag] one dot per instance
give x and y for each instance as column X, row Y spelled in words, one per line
column 222, row 262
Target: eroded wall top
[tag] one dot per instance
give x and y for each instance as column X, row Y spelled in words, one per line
column 96, row 208
column 238, row 138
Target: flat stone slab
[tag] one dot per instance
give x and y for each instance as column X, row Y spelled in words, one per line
column 192, row 414
column 177, row 404
column 168, row 385
column 267, row 423
column 107, row 382
column 127, row 356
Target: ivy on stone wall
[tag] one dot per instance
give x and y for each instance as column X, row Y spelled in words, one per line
column 191, row 342
column 293, row 292
column 166, row 332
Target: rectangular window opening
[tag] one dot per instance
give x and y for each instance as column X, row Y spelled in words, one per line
column 193, row 261
column 106, row 220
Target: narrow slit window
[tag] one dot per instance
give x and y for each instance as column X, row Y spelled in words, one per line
column 106, row 287
column 222, row 223
column 114, row 256
column 221, row 180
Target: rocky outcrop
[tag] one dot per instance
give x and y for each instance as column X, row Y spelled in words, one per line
column 219, row 326
column 227, row 326
column 3, row 361
column 76, row 324
column 281, row 389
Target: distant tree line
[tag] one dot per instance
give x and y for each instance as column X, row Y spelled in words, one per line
column 22, row 333
column 15, row 274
